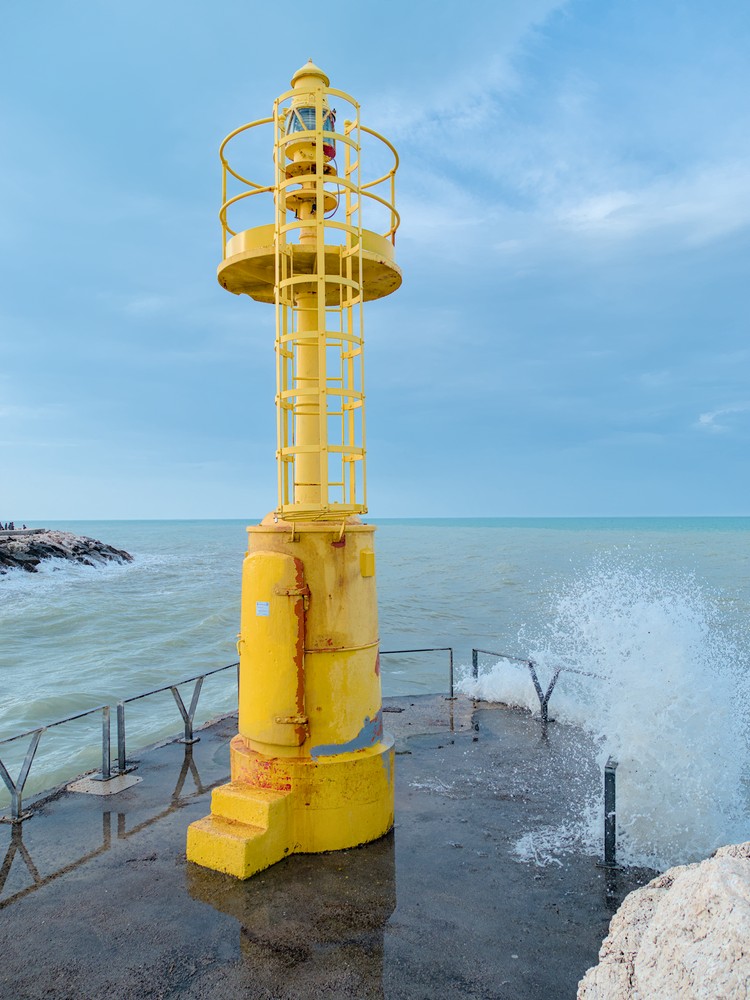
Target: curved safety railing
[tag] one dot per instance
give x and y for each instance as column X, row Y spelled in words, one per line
column 378, row 191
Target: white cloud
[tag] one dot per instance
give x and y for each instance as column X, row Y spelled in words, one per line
column 701, row 204
column 600, row 210
column 460, row 95
column 480, row 149
column 715, row 420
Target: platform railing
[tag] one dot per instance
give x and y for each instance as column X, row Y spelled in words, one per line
column 17, row 815
column 122, row 766
column 107, row 773
column 543, row 695
column 16, row 788
column 188, row 714
column 428, row 649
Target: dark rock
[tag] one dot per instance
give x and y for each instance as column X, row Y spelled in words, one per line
column 25, row 549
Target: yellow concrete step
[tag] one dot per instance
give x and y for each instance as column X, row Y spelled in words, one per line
column 245, row 804
column 238, row 849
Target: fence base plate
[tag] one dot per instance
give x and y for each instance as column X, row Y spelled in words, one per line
column 94, row 786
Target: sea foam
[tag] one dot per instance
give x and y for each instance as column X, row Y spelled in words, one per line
column 670, row 702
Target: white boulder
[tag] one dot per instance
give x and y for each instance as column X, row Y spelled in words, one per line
column 684, row 936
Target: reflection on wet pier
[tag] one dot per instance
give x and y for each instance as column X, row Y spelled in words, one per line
column 444, row 906
column 110, row 820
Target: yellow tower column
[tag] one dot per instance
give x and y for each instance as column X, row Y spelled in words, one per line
column 307, row 423
column 311, row 769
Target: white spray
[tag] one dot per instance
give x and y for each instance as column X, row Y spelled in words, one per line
column 671, row 703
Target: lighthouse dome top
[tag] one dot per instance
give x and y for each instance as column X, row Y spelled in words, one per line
column 310, row 70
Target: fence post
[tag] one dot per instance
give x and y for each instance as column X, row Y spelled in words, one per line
column 121, row 737
column 188, row 713
column 17, row 815
column 106, row 760
column 475, row 663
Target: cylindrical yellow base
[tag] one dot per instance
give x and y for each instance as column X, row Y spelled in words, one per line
column 274, row 807
column 311, row 768
column 309, row 665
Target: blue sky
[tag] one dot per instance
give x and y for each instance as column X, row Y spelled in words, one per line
column 571, row 334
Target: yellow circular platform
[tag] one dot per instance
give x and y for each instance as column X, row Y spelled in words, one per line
column 249, row 268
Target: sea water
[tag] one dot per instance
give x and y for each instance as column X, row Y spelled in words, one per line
column 656, row 609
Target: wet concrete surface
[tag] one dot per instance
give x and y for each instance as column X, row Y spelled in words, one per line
column 97, row 899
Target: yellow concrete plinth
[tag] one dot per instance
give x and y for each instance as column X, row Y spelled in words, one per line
column 276, row 806
column 311, row 767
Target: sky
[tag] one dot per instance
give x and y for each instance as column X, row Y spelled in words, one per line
column 571, row 335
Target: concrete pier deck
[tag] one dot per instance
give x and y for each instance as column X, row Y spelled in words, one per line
column 97, row 899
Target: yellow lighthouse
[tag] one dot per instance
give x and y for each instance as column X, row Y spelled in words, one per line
column 311, row 768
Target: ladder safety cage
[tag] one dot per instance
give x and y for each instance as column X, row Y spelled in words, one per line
column 318, row 271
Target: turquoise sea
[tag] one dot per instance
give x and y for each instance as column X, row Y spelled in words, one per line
column 657, row 607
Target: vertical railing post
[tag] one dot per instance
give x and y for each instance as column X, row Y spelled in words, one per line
column 106, row 760
column 475, row 663
column 540, row 694
column 450, row 654
column 15, row 788
column 121, row 737
column 188, row 713
column 610, row 814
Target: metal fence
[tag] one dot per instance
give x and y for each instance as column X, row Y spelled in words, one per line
column 16, row 788
column 122, row 766
column 429, row 649
column 17, row 814
column 610, row 811
column 542, row 695
column 188, row 714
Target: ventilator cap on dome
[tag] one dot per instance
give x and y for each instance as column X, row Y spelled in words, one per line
column 310, row 70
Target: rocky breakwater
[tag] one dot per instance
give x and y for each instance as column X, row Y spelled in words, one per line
column 26, row 549
column 684, row 936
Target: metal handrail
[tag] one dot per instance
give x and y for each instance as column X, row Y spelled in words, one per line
column 394, row 168
column 17, row 815
column 16, row 787
column 231, row 201
column 543, row 696
column 610, row 768
column 430, row 649
column 188, row 714
column 268, row 189
column 241, row 128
